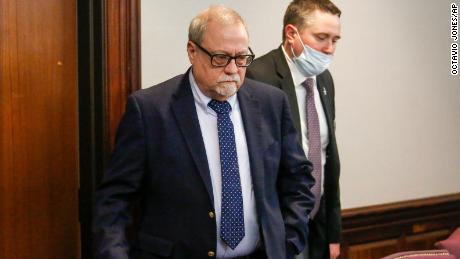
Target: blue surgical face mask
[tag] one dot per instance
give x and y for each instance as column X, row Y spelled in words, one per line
column 311, row 62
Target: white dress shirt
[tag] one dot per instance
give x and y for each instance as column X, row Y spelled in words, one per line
column 207, row 118
column 301, row 94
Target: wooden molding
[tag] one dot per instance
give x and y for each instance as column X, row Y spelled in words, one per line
column 403, row 205
column 413, row 224
column 122, row 60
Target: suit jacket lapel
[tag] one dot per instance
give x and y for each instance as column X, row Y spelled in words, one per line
column 184, row 110
column 326, row 102
column 282, row 70
column 251, row 115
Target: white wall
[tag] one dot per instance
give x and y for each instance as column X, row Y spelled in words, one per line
column 398, row 107
column 164, row 30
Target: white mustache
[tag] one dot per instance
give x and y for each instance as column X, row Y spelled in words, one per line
column 229, row 78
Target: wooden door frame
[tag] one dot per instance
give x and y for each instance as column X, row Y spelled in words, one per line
column 122, row 73
column 108, row 71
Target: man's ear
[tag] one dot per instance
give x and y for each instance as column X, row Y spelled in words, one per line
column 290, row 33
column 191, row 51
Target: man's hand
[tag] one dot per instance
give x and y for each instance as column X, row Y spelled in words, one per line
column 334, row 250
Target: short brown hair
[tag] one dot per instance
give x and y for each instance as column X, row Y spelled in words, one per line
column 298, row 12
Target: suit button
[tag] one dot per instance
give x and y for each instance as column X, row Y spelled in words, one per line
column 211, row 254
column 211, row 214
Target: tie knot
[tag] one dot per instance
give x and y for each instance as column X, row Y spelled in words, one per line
column 308, row 83
column 220, row 107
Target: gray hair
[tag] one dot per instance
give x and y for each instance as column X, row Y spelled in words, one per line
column 220, row 13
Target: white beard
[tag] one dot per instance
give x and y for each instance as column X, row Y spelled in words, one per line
column 227, row 85
column 226, row 89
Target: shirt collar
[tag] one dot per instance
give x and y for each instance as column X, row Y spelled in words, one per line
column 297, row 77
column 202, row 100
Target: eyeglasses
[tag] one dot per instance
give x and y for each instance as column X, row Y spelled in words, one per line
column 222, row 60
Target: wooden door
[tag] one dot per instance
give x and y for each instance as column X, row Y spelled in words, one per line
column 38, row 130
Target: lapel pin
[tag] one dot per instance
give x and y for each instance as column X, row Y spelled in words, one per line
column 324, row 91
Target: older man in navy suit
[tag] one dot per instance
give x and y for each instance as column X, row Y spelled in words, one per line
column 214, row 159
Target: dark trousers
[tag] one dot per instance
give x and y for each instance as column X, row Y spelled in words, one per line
column 318, row 246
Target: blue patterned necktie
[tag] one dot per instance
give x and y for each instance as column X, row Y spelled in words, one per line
column 232, row 219
column 314, row 142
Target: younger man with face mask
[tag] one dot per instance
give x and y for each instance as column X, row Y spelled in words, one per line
column 299, row 67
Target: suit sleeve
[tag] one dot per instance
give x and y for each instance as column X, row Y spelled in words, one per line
column 334, row 211
column 119, row 185
column 294, row 184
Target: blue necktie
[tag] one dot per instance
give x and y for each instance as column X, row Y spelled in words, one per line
column 232, row 219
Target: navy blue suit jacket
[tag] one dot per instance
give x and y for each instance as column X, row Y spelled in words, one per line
column 160, row 157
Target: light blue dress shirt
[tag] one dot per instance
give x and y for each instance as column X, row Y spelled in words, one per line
column 208, row 125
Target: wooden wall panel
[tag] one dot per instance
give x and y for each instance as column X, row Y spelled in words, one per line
column 39, row 159
column 375, row 231
column 7, row 12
